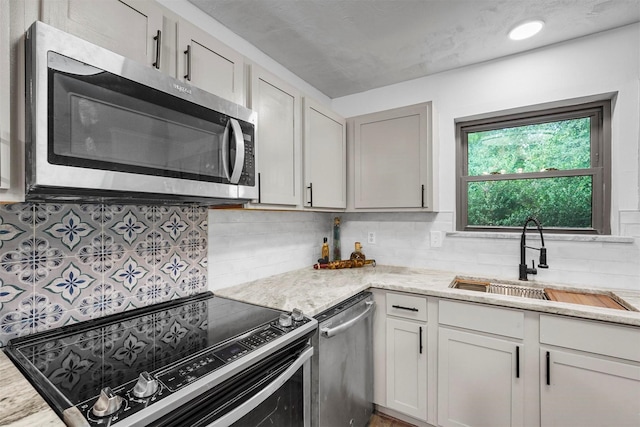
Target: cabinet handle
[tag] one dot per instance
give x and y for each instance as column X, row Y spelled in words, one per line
column 188, row 53
column 310, row 187
column 259, row 189
column 422, row 196
column 399, row 307
column 420, row 339
column 517, row 361
column 158, row 39
column 548, row 368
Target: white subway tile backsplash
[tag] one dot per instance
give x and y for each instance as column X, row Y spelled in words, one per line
column 276, row 242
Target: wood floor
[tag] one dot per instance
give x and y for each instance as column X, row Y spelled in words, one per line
column 383, row 420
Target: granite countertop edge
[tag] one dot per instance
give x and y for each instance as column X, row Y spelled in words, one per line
column 314, row 291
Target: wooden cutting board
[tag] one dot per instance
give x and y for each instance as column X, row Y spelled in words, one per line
column 595, row 300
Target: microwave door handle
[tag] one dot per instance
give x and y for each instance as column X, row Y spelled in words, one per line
column 224, row 151
column 239, row 163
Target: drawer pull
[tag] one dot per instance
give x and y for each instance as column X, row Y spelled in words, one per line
column 399, row 307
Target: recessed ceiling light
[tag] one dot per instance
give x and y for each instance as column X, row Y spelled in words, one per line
column 526, row 30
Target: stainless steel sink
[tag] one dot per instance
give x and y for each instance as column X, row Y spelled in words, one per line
column 591, row 298
column 499, row 288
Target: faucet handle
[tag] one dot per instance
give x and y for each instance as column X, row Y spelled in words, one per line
column 532, row 270
column 543, row 258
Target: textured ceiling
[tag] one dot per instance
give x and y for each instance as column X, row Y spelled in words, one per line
column 343, row 47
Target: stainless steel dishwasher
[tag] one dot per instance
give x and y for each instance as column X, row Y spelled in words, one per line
column 342, row 364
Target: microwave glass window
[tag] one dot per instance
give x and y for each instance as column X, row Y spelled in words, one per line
column 141, row 139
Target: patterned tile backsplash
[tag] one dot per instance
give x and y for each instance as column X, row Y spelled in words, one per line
column 66, row 263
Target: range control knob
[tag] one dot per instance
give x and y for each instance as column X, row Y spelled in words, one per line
column 284, row 320
column 297, row 315
column 145, row 387
column 107, row 404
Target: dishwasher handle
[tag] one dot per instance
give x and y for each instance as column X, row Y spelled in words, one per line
column 330, row 332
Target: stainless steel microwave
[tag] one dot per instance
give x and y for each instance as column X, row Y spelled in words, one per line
column 101, row 127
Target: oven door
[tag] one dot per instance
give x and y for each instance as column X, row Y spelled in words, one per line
column 274, row 392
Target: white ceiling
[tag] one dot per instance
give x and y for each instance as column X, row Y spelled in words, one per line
column 343, row 47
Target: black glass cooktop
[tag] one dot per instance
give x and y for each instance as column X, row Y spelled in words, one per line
column 82, row 360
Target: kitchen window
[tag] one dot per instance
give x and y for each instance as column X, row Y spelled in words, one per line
column 553, row 164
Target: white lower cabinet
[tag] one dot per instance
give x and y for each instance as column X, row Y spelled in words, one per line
column 590, row 373
column 407, row 367
column 489, row 366
column 480, row 365
column 479, row 380
column 582, row 390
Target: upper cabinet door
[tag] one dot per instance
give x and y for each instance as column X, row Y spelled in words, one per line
column 127, row 27
column 278, row 138
column 209, row 64
column 392, row 159
column 325, row 157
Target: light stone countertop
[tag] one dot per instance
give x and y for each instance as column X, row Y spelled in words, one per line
column 313, row 291
column 20, row 403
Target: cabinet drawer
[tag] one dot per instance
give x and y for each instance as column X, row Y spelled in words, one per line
column 407, row 306
column 482, row 318
column 594, row 337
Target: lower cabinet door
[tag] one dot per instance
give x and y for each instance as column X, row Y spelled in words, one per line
column 407, row 367
column 584, row 390
column 479, row 381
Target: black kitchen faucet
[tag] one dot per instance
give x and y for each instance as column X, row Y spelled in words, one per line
column 524, row 270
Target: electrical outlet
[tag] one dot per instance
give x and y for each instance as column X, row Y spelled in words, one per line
column 371, row 238
column 436, row 239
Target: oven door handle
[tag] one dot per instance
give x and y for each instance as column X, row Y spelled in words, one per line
column 248, row 406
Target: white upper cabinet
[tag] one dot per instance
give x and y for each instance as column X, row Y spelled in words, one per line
column 209, row 64
column 131, row 28
column 278, row 139
column 325, row 157
column 392, row 160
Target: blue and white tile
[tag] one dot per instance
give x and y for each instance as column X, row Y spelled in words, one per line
column 192, row 282
column 11, row 295
column 174, row 224
column 68, row 284
column 130, row 272
column 194, row 244
column 154, row 290
column 174, row 266
column 31, row 262
column 155, row 214
column 66, row 228
column 154, row 248
column 8, row 331
column 128, row 226
column 12, row 229
column 100, row 254
column 34, row 313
